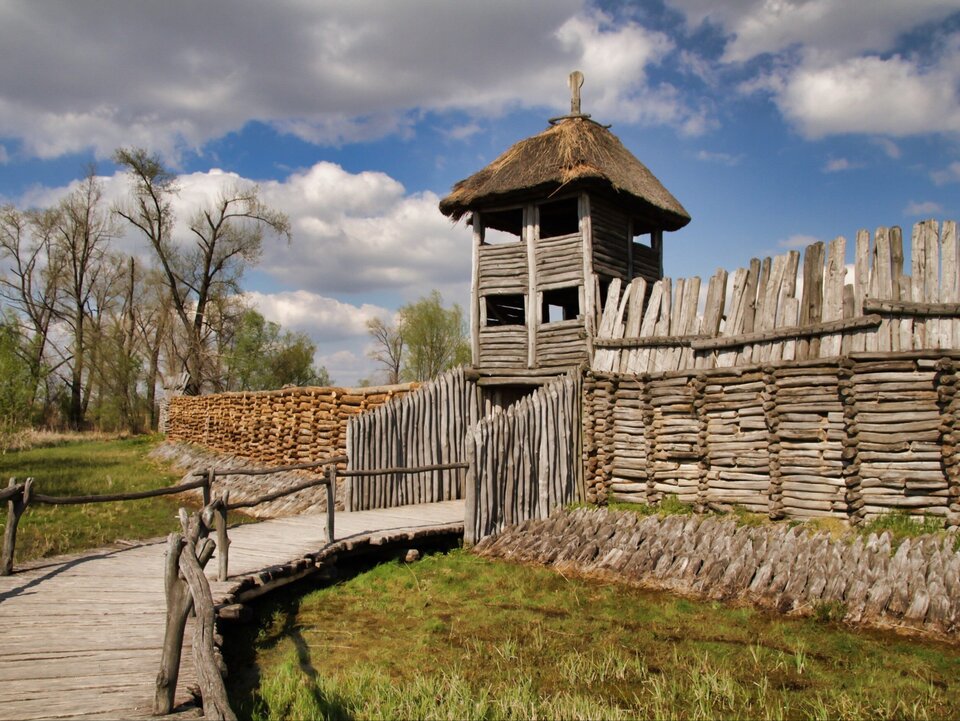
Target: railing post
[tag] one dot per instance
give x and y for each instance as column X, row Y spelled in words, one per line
column 15, row 508
column 208, row 487
column 179, row 603
column 223, row 541
column 331, row 498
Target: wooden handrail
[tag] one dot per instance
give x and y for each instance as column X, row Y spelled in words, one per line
column 274, row 495
column 268, row 471
column 107, row 498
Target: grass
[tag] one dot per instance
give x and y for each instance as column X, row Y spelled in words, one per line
column 90, row 467
column 900, row 523
column 457, row 636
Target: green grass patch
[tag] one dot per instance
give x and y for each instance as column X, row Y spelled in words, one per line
column 84, row 468
column 458, row 636
column 900, row 523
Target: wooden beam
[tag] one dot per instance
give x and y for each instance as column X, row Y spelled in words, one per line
column 683, row 341
column 531, row 231
column 890, row 307
column 475, row 289
column 869, row 321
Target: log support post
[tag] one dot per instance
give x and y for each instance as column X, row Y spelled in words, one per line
column 331, row 499
column 949, row 404
column 849, row 456
column 771, row 415
column 208, row 487
column 16, row 506
column 703, row 448
column 223, row 540
column 649, row 437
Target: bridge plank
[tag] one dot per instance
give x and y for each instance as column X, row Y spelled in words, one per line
column 80, row 636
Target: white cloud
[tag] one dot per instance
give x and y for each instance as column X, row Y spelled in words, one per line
column 950, row 174
column 893, row 96
column 837, row 165
column 322, row 317
column 840, row 28
column 925, row 208
column 171, row 76
column 890, row 148
column 797, row 241
column 835, row 65
column 722, row 158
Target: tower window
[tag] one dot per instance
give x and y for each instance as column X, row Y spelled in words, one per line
column 502, row 226
column 504, row 310
column 560, row 304
column 560, row 217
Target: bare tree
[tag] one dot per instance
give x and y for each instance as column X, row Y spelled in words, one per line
column 226, row 237
column 388, row 351
column 82, row 231
column 31, row 284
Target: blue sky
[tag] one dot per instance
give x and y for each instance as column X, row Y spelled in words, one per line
column 775, row 122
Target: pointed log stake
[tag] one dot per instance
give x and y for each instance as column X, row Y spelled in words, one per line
column 16, row 505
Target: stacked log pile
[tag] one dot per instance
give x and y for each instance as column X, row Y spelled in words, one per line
column 630, row 416
column 282, row 427
column 675, row 450
column 899, row 436
column 788, row 569
column 736, row 441
column 810, row 434
column 851, row 437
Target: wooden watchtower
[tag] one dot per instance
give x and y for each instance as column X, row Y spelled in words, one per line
column 555, row 219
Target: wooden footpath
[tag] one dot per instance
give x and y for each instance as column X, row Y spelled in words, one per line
column 81, row 636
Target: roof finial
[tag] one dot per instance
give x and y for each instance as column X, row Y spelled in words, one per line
column 576, row 82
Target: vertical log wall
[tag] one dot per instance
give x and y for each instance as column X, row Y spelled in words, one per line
column 424, row 428
column 525, row 461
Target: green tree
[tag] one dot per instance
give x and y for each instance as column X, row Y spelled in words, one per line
column 16, row 383
column 263, row 356
column 435, row 338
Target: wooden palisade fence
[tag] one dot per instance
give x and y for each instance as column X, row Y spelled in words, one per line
column 777, row 310
column 423, row 429
column 526, row 460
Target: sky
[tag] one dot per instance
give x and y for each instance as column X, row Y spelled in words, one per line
column 774, row 122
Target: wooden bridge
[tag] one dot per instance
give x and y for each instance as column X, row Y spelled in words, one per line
column 81, row 636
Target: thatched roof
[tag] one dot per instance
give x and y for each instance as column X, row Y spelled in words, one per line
column 574, row 153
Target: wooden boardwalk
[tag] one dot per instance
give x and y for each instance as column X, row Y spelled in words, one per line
column 80, row 637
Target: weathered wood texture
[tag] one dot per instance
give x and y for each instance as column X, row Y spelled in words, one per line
column 82, row 635
column 289, row 426
column 525, row 461
column 777, row 310
column 851, row 437
column 424, row 428
column 787, row 569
